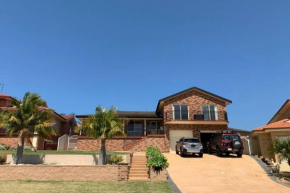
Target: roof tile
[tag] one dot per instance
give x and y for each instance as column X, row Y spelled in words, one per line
column 285, row 123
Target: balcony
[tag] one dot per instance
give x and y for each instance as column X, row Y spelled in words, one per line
column 186, row 117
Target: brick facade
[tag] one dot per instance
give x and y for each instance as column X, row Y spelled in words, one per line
column 160, row 142
column 123, row 144
column 194, row 99
column 65, row 173
column 157, row 175
column 267, row 139
column 111, row 144
column 9, row 141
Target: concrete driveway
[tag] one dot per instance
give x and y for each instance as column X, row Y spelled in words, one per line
column 220, row 174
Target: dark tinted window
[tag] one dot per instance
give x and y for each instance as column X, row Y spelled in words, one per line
column 231, row 137
column 191, row 140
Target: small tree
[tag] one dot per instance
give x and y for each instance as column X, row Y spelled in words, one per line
column 282, row 149
column 25, row 118
column 103, row 125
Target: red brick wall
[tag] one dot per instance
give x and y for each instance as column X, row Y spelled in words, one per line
column 157, row 175
column 65, row 173
column 111, row 144
column 122, row 144
column 3, row 102
column 9, row 141
column 194, row 100
column 159, row 142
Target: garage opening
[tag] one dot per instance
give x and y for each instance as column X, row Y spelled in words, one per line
column 205, row 137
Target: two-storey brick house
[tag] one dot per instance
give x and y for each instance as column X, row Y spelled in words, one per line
column 190, row 113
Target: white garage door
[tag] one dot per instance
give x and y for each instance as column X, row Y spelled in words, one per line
column 175, row 135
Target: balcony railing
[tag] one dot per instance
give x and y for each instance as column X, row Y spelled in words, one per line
column 154, row 131
column 184, row 115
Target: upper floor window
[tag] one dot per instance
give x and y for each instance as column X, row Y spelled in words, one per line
column 209, row 112
column 180, row 112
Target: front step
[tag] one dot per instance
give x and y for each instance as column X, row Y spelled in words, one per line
column 139, row 179
column 138, row 175
column 138, row 169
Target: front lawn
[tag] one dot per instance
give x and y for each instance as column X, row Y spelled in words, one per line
column 39, row 152
column 43, row 187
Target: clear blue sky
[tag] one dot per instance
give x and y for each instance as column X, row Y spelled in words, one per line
column 79, row 54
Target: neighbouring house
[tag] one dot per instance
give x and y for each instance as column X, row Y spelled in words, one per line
column 278, row 127
column 190, row 113
column 243, row 133
column 64, row 124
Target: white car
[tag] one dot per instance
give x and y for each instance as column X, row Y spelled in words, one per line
column 187, row 145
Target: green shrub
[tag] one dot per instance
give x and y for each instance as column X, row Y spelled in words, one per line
column 115, row 159
column 3, row 159
column 156, row 158
column 158, row 161
column 152, row 151
column 12, row 149
column 28, row 149
column 2, row 147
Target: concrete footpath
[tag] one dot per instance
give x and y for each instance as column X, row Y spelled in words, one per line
column 220, row 174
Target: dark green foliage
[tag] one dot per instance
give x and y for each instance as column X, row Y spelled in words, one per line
column 152, row 151
column 30, row 115
column 103, row 125
column 156, row 158
column 115, row 159
column 282, row 149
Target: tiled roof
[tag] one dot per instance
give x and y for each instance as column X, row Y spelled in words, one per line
column 239, row 130
column 131, row 114
column 137, row 114
column 4, row 95
column 285, row 123
column 67, row 116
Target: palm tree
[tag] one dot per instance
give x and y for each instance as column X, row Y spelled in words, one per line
column 27, row 117
column 103, row 125
column 282, row 148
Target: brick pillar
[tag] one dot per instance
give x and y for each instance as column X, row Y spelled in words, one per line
column 123, row 169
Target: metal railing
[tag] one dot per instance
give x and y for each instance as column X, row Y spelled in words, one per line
column 154, row 131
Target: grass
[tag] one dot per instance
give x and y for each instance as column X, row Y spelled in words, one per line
column 49, row 186
column 39, row 152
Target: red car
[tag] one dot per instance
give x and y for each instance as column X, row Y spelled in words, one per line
column 226, row 142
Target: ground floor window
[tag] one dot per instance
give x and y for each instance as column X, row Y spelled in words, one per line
column 134, row 128
column 154, row 127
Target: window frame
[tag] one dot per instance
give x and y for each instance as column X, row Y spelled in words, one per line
column 173, row 112
column 209, row 111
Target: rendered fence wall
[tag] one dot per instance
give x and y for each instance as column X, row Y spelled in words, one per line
column 62, row 142
column 61, row 159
